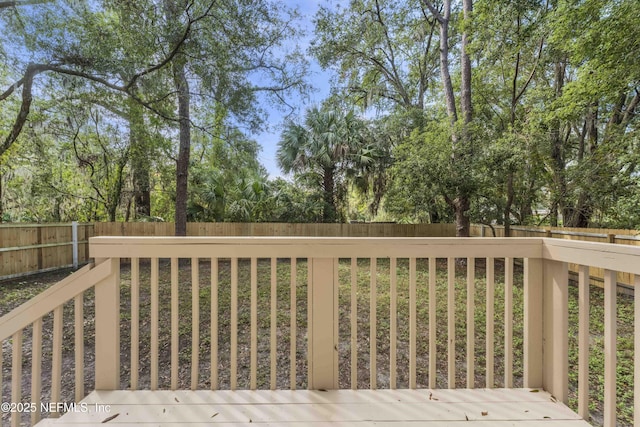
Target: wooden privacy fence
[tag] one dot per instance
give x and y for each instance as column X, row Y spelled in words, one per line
column 35, row 248
column 32, row 248
column 602, row 235
column 221, row 229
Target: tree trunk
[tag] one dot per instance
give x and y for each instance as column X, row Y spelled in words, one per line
column 507, row 207
column 184, row 151
column 1, row 201
column 329, row 213
column 463, row 198
column 139, row 160
column 463, row 224
column 444, row 64
column 559, row 184
column 465, row 84
column 172, row 11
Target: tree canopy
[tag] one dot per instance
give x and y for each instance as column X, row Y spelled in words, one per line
column 507, row 112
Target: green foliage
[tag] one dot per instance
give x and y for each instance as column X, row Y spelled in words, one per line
column 325, row 149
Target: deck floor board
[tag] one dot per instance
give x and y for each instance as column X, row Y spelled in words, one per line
column 429, row 408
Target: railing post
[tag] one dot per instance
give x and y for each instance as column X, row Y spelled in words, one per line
column 74, row 243
column 555, row 339
column 107, row 327
column 324, row 341
column 533, row 315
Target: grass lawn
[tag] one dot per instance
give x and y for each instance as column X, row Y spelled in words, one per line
column 15, row 292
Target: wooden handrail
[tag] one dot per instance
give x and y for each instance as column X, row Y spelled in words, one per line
column 312, row 247
column 47, row 301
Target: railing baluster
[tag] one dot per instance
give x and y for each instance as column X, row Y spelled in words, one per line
column 583, row 342
column 471, row 332
column 195, row 318
column 491, row 288
column 16, row 375
column 451, row 319
column 234, row 323
column 636, row 354
column 214, row 323
column 78, row 312
column 412, row 324
column 175, row 319
column 274, row 323
column 373, row 371
column 154, row 323
column 1, row 363
column 310, row 328
column 336, row 317
column 393, row 323
column 508, row 322
column 293, row 331
column 354, row 323
column 610, row 348
column 36, row 369
column 432, row 323
column 135, row 322
column 56, row 358
column 254, row 324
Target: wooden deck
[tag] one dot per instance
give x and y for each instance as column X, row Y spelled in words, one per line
column 463, row 407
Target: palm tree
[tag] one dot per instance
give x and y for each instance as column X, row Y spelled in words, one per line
column 324, row 147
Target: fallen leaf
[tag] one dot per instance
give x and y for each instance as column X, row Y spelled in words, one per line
column 535, row 390
column 176, row 399
column 214, row 415
column 553, row 398
column 484, row 413
column 466, row 416
column 106, row 420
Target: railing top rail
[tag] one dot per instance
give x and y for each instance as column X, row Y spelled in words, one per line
column 47, row 301
column 624, row 258
column 614, row 257
column 331, row 247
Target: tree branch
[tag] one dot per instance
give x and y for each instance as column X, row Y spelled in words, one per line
column 434, row 11
column 6, row 4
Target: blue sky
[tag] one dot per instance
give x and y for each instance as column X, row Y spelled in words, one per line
column 318, row 78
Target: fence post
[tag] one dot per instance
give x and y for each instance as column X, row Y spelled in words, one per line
column 107, row 327
column 533, row 322
column 74, row 239
column 555, row 331
column 611, row 238
column 323, row 338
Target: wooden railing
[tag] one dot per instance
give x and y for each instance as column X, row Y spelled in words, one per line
column 300, row 313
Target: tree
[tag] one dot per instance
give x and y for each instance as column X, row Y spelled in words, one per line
column 323, row 147
column 383, row 51
column 174, row 42
column 461, row 140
